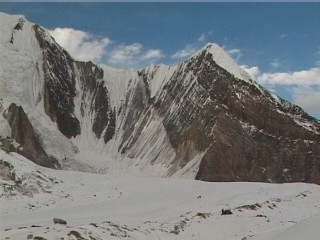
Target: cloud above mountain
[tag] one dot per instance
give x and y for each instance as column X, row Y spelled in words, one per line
column 131, row 54
column 81, row 45
column 84, row 46
column 304, row 85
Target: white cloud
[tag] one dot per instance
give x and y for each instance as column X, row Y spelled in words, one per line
column 318, row 57
column 84, row 46
column 235, row 53
column 152, row 54
column 275, row 63
column 125, row 53
column 283, row 35
column 303, row 86
column 81, row 45
column 133, row 55
column 191, row 48
column 186, row 52
column 310, row 77
column 254, row 72
column 308, row 98
column 202, row 38
column 305, row 78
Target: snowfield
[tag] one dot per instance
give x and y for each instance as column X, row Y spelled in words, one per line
column 97, row 206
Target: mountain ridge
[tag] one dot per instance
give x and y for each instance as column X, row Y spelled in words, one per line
column 204, row 118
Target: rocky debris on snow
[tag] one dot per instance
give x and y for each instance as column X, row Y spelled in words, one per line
column 250, row 206
column 226, row 212
column 203, row 215
column 59, row 221
column 7, row 171
column 39, row 238
column 76, row 235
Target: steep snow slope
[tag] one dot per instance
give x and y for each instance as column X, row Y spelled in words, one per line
column 19, row 48
column 156, row 77
column 109, row 207
column 22, row 80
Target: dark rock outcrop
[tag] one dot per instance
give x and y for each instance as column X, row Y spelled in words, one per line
column 136, row 108
column 23, row 133
column 59, row 85
column 60, row 90
column 96, row 99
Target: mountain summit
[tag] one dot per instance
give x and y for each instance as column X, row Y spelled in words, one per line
column 204, row 118
column 224, row 60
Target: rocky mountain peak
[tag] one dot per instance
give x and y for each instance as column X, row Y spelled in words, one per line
column 222, row 58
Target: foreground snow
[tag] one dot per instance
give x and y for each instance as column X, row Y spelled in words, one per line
column 110, row 207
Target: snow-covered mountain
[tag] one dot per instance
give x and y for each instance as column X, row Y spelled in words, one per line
column 204, row 118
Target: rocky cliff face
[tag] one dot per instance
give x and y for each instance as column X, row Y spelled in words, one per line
column 204, row 118
column 60, row 75
column 23, row 139
column 248, row 134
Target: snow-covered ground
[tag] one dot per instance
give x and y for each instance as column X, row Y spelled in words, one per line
column 112, row 207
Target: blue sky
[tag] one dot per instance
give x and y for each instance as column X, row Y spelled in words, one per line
column 277, row 43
